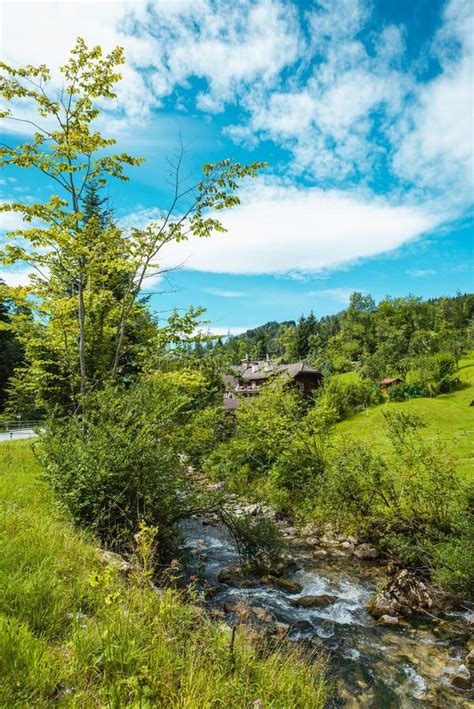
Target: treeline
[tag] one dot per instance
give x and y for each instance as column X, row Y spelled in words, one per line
column 387, row 339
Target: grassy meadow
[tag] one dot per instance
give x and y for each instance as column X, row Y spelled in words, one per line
column 75, row 633
column 449, row 417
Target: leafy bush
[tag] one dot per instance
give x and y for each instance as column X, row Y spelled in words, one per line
column 120, row 464
column 264, row 427
column 345, row 398
column 258, row 539
column 407, row 391
column 409, row 500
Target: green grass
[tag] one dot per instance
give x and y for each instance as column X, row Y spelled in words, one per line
column 449, row 417
column 73, row 633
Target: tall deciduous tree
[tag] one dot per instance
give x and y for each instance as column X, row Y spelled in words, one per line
column 67, row 243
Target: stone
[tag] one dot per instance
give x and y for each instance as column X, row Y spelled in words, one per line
column 215, row 487
column 319, row 553
column 469, row 659
column 347, row 545
column 285, row 584
column 253, row 510
column 312, row 541
column 109, row 558
column 288, row 585
column 462, row 678
column 388, row 620
column 329, row 541
column 401, row 596
column 366, row 552
column 228, row 573
column 281, row 629
column 321, row 601
column 352, row 540
column 262, row 615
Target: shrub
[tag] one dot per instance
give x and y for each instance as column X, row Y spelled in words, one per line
column 407, row 391
column 409, row 500
column 258, row 539
column 346, row 398
column 120, row 464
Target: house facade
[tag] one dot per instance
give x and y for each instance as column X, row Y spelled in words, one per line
column 247, row 378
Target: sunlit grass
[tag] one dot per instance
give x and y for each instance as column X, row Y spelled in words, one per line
column 449, row 417
column 64, row 641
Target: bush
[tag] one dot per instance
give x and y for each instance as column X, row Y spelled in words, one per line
column 264, row 427
column 120, row 464
column 407, row 391
column 409, row 500
column 258, row 539
column 346, row 398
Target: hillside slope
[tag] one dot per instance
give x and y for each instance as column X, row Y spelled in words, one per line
column 449, row 417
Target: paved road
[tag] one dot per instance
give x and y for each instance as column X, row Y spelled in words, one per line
column 15, row 435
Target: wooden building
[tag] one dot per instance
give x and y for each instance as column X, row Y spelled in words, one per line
column 247, row 378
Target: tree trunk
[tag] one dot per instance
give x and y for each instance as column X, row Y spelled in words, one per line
column 82, row 342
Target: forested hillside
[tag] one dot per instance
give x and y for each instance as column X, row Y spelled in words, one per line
column 378, row 340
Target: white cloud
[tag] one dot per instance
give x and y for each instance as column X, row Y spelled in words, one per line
column 436, row 147
column 221, row 293
column 341, row 294
column 279, row 228
column 15, row 278
column 342, row 106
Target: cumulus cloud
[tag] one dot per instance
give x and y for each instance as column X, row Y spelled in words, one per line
column 318, row 80
column 279, row 228
column 436, row 141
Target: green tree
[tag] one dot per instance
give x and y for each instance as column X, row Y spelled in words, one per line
column 11, row 351
column 66, row 245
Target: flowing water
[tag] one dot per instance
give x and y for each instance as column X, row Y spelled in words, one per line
column 372, row 665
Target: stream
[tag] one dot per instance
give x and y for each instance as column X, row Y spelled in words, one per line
column 372, row 665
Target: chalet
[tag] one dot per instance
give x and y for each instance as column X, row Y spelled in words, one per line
column 247, row 378
column 385, row 384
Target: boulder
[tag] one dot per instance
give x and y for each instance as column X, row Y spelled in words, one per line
column 388, row 620
column 469, row 659
column 319, row 553
column 321, row 601
column 288, row 585
column 109, row 558
column 462, row 678
column 253, row 510
column 229, row 573
column 401, row 596
column 262, row 615
column 285, row 584
column 366, row 552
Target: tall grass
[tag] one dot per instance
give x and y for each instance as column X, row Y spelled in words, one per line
column 74, row 633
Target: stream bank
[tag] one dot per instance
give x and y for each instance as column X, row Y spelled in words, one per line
column 372, row 664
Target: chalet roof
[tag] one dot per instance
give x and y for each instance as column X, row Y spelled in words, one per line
column 261, row 369
column 391, row 380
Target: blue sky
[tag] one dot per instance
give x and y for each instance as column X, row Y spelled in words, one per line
column 362, row 109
